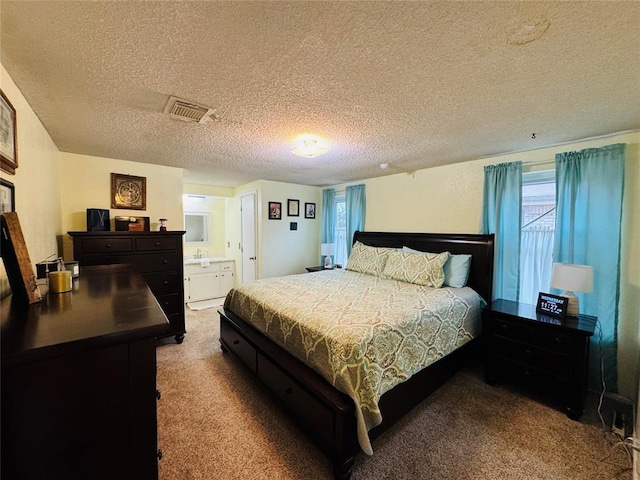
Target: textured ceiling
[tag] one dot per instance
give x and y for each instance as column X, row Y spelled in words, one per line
column 411, row 84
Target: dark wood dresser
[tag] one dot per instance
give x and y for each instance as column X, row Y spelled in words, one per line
column 157, row 255
column 540, row 352
column 79, row 380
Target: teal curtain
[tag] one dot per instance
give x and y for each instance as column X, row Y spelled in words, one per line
column 356, row 204
column 328, row 217
column 589, row 190
column 502, row 216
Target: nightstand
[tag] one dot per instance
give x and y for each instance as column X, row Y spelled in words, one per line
column 542, row 353
column 317, row 269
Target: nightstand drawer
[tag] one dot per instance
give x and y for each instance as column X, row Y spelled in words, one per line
column 529, row 355
column 537, row 336
column 531, row 376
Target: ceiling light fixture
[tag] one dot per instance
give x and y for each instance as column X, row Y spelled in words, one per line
column 309, row 146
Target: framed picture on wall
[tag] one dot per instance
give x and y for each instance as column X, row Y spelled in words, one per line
column 293, row 208
column 7, row 196
column 309, row 210
column 8, row 136
column 128, row 191
column 275, row 211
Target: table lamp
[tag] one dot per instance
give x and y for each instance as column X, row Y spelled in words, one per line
column 326, row 249
column 572, row 278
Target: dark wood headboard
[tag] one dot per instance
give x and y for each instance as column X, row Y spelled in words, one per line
column 479, row 246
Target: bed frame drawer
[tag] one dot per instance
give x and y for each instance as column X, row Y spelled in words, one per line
column 295, row 399
column 239, row 346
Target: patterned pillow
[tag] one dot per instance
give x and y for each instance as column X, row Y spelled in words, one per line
column 456, row 270
column 366, row 259
column 421, row 269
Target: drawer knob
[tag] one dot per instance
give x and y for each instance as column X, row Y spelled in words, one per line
column 528, row 351
column 288, row 391
column 157, row 244
column 236, row 342
column 158, row 396
column 165, row 261
column 166, row 282
column 107, row 245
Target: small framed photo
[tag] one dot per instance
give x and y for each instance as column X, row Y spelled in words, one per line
column 7, row 196
column 275, row 211
column 8, row 136
column 552, row 305
column 128, row 191
column 309, row 210
column 293, row 208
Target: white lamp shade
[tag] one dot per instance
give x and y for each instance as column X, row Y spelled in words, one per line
column 572, row 278
column 327, row 248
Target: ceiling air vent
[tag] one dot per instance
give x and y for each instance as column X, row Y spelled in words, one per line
column 180, row 109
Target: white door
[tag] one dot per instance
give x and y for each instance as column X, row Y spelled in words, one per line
column 248, row 237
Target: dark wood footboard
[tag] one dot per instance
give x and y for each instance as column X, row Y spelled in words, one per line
column 325, row 414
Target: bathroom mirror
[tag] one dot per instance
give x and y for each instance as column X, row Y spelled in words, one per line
column 197, row 227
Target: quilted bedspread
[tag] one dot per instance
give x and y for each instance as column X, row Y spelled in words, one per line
column 364, row 334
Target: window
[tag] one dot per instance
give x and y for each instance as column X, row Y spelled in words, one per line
column 341, row 230
column 536, row 236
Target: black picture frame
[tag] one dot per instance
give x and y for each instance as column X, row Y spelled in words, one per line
column 293, row 208
column 552, row 305
column 309, row 210
column 8, row 142
column 7, row 196
column 128, row 191
column 275, row 210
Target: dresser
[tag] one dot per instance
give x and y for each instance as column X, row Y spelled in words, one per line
column 540, row 352
column 79, row 380
column 156, row 255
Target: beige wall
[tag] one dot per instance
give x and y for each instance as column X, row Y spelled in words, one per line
column 280, row 251
column 449, row 199
column 86, row 183
column 37, row 179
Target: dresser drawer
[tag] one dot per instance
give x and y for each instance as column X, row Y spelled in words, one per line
column 305, row 408
column 156, row 243
column 163, row 283
column 159, row 262
column 528, row 355
column 537, row 336
column 106, row 245
column 171, row 304
column 239, row 345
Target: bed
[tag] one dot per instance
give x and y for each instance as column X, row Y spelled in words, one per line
column 299, row 383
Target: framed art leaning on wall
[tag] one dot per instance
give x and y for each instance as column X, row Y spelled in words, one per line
column 8, row 136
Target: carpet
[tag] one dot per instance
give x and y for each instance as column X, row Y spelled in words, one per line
column 216, row 422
